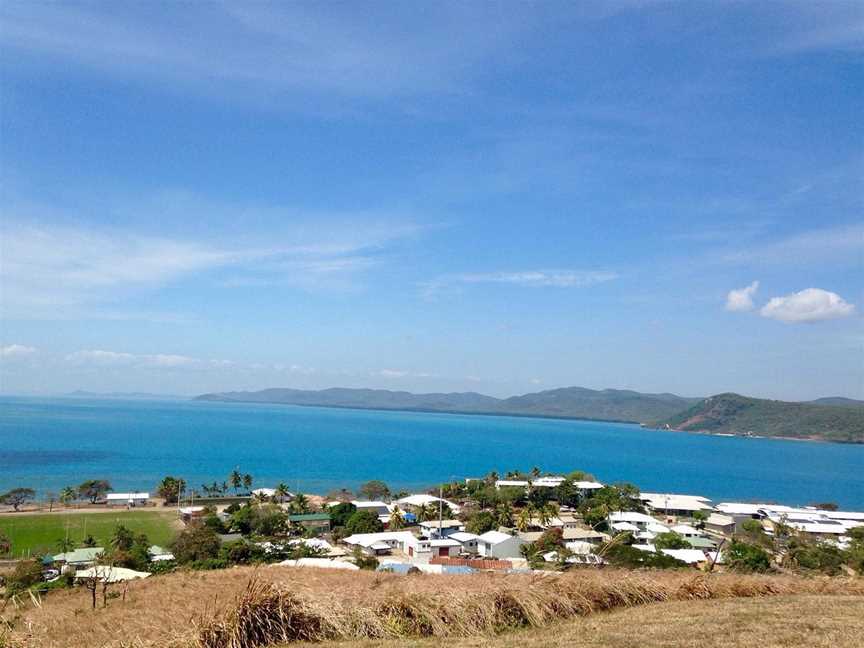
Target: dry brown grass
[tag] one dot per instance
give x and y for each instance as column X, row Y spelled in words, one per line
column 771, row 622
column 222, row 609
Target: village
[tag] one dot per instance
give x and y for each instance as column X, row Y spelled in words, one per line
column 523, row 523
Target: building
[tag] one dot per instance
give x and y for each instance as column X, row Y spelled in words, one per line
column 445, row 547
column 159, row 554
column 719, row 523
column 467, row 540
column 84, row 557
column 690, row 556
column 440, row 529
column 511, row 483
column 383, row 543
column 686, row 531
column 494, row 544
column 419, row 500
column 675, row 505
column 314, row 522
column 127, row 499
column 550, row 481
column 639, row 520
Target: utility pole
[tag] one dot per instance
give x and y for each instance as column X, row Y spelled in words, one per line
column 440, row 508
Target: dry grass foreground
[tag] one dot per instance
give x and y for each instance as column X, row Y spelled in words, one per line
column 243, row 607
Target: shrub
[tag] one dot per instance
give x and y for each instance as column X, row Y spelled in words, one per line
column 340, row 513
column 363, row 522
column 746, row 557
column 671, row 540
column 481, row 522
column 196, row 544
column 26, row 574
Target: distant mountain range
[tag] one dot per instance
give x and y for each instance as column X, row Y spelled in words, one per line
column 829, row 419
column 123, row 395
column 834, row 419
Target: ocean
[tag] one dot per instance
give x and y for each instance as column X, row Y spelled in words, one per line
column 47, row 444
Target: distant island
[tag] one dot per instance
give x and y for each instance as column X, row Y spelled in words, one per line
column 830, row 419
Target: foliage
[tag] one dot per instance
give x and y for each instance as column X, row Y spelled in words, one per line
column 17, row 496
column 25, row 574
column 170, row 489
column 340, row 513
column 671, row 540
column 816, row 556
column 623, row 555
column 736, row 414
column 374, row 490
column 196, row 544
column 396, row 521
column 5, row 544
column 363, row 561
column 745, row 557
column 363, row 522
column 93, row 489
column 481, row 522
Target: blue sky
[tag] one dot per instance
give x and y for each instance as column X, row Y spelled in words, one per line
column 469, row 196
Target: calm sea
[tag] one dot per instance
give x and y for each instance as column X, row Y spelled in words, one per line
column 50, row 443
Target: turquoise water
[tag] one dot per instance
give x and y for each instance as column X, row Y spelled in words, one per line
column 50, row 443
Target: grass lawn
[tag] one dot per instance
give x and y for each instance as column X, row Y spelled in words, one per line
column 40, row 533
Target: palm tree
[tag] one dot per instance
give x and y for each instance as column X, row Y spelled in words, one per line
column 236, row 480
column 526, row 515
column 397, row 520
column 247, row 481
column 545, row 514
column 504, row 514
column 67, row 495
column 281, row 491
column 65, row 545
column 300, row 504
column 535, row 472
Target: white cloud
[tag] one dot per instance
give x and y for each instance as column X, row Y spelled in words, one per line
column 741, row 299
column 525, row 278
column 809, row 305
column 100, row 358
column 15, row 351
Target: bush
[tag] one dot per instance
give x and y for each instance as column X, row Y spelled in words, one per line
column 746, row 557
column 196, row 544
column 481, row 522
column 671, row 540
column 26, row 574
column 621, row 555
column 363, row 522
column 340, row 513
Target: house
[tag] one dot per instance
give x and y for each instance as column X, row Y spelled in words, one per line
column 720, row 523
column 83, row 557
column 468, row 541
column 158, row 554
column 419, row 500
column 189, row 513
column 127, row 499
column 314, row 522
column 689, row 556
column 445, row 547
column 109, row 574
column 686, row 531
column 440, row 529
column 675, row 505
column 550, row 481
column 494, row 544
column 639, row 520
column 559, row 522
column 377, row 544
column 511, row 483
column 587, row 487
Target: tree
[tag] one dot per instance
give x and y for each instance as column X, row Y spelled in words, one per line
column 123, row 538
column 17, row 496
column 64, row 545
column 397, row 520
column 340, row 495
column 281, row 492
column 68, row 495
column 700, row 517
column 247, row 481
column 236, row 480
column 170, row 489
column 300, row 504
column 93, row 489
column 340, row 513
column 5, row 544
column 523, row 520
column 195, row 543
column 89, row 541
column 826, row 506
column 481, row 522
column 535, row 472
column 746, row 557
column 504, row 514
column 671, row 540
column 363, row 522
column 374, row 490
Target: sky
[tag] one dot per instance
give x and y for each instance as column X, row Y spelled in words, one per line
column 470, row 196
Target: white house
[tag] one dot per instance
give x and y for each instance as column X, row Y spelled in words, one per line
column 385, row 542
column 418, row 500
column 445, row 547
column 586, row 487
column 550, row 481
column 511, row 483
column 494, row 544
column 637, row 519
column 686, row 531
column 467, row 540
column 440, row 529
column 678, row 505
column 689, row 556
column 127, row 499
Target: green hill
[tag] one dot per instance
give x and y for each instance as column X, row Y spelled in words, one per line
column 570, row 402
column 736, row 414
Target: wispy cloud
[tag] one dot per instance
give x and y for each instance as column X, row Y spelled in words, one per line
column 832, row 245
column 54, row 271
column 741, row 299
column 809, row 305
column 525, row 278
column 17, row 351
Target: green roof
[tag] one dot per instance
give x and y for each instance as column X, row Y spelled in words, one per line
column 83, row 555
column 310, row 517
column 701, row 543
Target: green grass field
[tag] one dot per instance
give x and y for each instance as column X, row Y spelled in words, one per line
column 39, row 533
